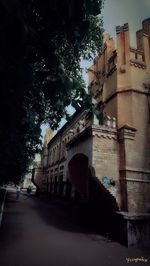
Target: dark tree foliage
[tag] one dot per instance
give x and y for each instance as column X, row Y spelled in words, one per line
column 41, row 45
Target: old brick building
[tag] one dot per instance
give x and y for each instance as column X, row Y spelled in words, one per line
column 108, row 163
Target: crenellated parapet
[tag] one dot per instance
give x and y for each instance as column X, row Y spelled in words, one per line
column 137, row 58
column 140, row 56
column 145, row 31
column 120, row 58
column 109, row 122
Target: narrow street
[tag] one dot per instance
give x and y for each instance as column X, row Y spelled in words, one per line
column 40, row 232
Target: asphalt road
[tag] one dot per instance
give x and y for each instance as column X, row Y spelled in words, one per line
column 39, row 232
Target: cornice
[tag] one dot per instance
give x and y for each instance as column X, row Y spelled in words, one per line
column 135, row 180
column 126, row 90
column 104, row 132
column 126, row 132
column 137, row 170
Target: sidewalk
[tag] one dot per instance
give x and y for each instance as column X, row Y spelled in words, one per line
column 37, row 232
column 2, row 202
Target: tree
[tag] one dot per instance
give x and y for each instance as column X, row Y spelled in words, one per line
column 40, row 74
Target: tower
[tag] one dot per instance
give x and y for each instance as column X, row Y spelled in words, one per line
column 120, row 78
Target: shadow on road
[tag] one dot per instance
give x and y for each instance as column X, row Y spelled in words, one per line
column 69, row 217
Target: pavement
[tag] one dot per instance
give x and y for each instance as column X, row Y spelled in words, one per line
column 41, row 232
column 2, row 203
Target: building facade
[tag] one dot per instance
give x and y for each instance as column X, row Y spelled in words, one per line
column 107, row 162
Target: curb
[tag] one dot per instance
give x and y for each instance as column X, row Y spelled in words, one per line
column 2, row 208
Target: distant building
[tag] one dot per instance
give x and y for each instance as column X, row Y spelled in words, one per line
column 28, row 177
column 37, row 162
column 107, row 162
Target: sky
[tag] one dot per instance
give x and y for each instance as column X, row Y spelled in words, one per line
column 116, row 13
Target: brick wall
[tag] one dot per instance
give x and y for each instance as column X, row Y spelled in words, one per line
column 105, row 159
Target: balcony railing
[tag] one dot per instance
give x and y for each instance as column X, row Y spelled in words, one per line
column 83, row 123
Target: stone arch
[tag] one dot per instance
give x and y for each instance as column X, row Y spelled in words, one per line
column 78, row 173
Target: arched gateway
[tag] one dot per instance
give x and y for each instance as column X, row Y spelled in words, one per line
column 78, row 174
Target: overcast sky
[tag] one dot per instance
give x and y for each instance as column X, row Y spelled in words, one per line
column 118, row 12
